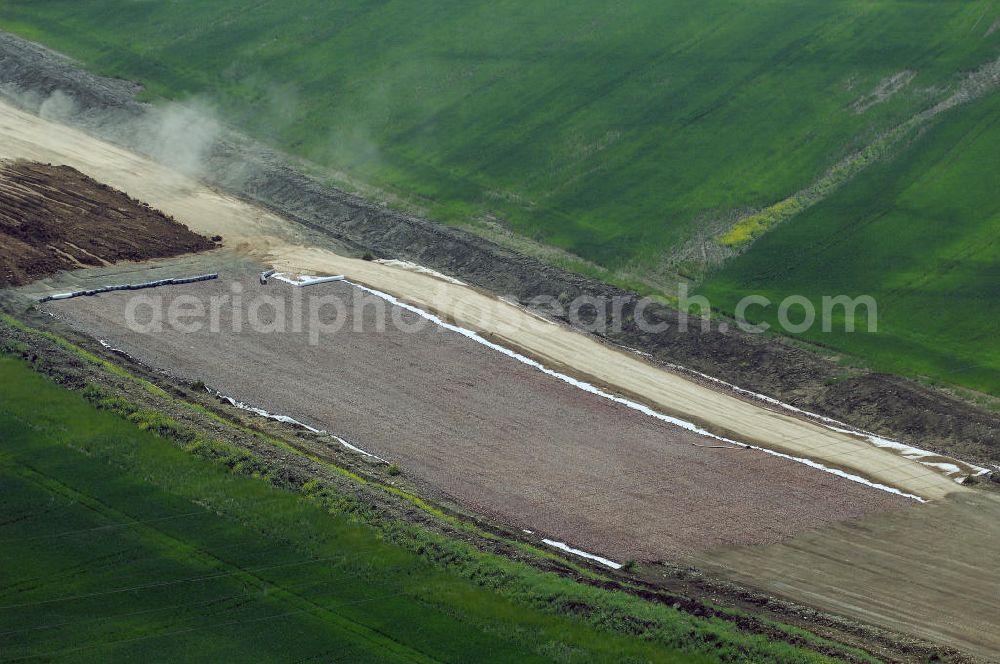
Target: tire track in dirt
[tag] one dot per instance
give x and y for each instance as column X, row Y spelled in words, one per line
column 930, row 570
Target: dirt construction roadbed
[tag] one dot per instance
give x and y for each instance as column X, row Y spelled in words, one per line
column 277, row 241
column 492, row 433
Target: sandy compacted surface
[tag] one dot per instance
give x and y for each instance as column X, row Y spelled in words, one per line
column 493, row 434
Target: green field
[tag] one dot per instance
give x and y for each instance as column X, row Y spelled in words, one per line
column 118, row 546
column 919, row 233
column 605, row 129
column 620, row 132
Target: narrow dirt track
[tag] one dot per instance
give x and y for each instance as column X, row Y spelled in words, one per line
column 272, row 239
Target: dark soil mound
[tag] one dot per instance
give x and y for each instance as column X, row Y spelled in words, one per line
column 55, row 218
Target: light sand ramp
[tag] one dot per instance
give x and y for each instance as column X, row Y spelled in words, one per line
column 264, row 235
column 204, row 210
column 561, row 348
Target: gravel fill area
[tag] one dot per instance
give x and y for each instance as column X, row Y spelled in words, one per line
column 497, row 436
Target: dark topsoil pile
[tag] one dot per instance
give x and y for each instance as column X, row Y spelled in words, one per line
column 55, row 218
column 887, row 405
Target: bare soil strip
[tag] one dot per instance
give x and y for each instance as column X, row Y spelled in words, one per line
column 262, row 234
column 931, row 570
column 55, row 218
column 491, row 433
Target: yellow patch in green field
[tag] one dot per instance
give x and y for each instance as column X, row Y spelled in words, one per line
column 757, row 224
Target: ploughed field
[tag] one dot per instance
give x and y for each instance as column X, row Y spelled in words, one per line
column 491, row 433
column 55, row 218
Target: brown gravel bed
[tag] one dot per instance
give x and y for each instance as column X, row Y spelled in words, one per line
column 491, row 433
